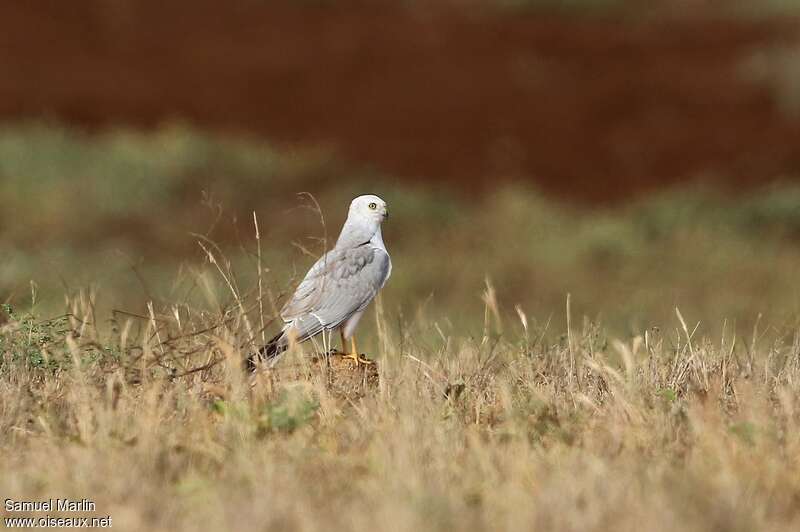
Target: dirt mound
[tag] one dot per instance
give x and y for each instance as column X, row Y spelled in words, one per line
column 588, row 107
column 343, row 379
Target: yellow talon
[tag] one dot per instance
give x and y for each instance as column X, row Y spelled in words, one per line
column 353, row 355
column 358, row 359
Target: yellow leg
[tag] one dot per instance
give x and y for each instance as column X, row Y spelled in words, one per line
column 357, row 359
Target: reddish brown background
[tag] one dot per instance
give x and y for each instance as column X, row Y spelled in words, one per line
column 592, row 107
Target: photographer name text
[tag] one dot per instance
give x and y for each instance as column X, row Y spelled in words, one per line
column 49, row 505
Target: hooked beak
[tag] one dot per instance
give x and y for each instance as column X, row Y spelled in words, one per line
column 386, row 214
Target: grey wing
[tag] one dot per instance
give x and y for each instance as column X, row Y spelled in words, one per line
column 339, row 284
column 307, row 294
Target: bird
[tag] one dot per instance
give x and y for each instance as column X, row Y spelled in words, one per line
column 338, row 288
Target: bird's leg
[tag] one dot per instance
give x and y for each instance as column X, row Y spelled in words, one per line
column 357, row 359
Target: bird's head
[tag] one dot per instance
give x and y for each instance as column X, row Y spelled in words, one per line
column 369, row 208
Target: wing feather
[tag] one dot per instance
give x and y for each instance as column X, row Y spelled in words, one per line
column 339, row 284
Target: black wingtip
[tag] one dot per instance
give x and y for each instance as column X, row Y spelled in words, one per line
column 273, row 348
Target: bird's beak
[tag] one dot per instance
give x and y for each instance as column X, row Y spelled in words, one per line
column 386, row 214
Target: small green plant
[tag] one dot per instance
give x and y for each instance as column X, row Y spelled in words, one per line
column 293, row 409
column 38, row 344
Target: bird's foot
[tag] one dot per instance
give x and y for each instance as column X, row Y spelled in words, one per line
column 358, row 359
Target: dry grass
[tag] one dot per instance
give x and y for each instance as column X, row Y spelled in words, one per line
column 480, row 417
column 155, row 422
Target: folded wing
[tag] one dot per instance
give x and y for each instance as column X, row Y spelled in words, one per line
column 339, row 284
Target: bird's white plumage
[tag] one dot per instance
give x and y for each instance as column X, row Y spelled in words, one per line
column 340, row 285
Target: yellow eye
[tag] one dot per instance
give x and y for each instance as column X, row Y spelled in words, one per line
column 373, row 206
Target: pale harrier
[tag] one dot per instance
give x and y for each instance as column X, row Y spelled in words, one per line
column 341, row 284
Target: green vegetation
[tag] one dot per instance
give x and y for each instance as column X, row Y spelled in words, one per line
column 126, row 216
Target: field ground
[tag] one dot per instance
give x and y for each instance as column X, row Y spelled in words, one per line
column 501, row 402
column 157, row 425
column 596, row 104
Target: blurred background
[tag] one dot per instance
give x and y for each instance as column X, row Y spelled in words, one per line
column 638, row 155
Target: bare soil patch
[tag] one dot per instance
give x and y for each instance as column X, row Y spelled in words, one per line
column 594, row 108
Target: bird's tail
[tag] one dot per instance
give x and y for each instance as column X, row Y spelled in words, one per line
column 274, row 348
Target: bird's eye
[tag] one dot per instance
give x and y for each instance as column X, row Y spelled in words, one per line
column 373, row 206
